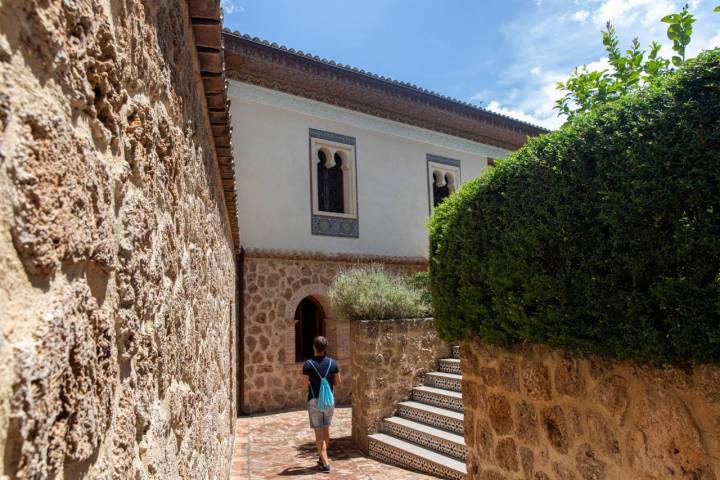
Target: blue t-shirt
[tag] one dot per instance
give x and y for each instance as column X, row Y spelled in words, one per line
column 322, row 364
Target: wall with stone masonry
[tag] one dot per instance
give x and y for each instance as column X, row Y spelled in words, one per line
column 388, row 358
column 117, row 294
column 536, row 413
column 274, row 285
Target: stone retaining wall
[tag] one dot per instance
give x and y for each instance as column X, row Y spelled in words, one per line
column 117, row 300
column 536, row 413
column 389, row 358
column 274, row 286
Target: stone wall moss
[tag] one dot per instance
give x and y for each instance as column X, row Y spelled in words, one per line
column 601, row 237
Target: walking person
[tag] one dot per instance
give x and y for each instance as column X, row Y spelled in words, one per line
column 320, row 396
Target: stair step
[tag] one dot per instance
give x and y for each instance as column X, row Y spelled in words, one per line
column 400, row 452
column 438, row 397
column 426, row 436
column 430, row 415
column 450, row 365
column 448, row 381
column 455, row 350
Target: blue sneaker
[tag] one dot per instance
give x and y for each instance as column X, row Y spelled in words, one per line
column 325, row 468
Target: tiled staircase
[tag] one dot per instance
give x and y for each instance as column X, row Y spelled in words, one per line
column 426, row 433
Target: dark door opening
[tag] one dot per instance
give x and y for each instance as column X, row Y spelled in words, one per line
column 309, row 323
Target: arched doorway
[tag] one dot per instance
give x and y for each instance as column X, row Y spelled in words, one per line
column 309, row 323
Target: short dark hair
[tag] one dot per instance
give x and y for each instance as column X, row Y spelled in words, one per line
column 320, row 343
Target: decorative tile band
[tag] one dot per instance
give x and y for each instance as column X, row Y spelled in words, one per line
column 439, row 381
column 390, row 454
column 438, row 400
column 440, row 421
column 334, row 226
column 448, row 366
column 427, row 440
column 455, row 349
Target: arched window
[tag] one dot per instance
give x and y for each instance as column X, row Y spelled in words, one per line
column 333, row 185
column 443, row 178
column 331, row 197
column 309, row 323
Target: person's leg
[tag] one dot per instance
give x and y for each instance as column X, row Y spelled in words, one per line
column 321, row 445
column 327, row 419
column 316, row 423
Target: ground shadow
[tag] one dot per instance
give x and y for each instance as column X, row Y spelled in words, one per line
column 297, row 471
column 341, row 448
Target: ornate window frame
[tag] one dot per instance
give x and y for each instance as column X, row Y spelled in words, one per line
column 443, row 165
column 333, row 223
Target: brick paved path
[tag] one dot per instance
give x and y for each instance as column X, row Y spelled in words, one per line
column 281, row 445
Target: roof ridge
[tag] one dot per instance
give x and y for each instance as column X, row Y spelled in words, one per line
column 375, row 76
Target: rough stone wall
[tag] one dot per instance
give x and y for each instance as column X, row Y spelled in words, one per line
column 117, row 291
column 536, row 413
column 389, row 358
column 273, row 289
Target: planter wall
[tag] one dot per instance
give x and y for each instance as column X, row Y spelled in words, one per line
column 388, row 358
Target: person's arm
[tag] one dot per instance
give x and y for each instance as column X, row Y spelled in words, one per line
column 337, row 379
column 306, row 376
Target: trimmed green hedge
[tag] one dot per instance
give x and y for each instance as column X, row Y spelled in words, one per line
column 602, row 237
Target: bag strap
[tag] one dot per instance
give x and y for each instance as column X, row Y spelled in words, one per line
column 312, row 363
column 329, row 367
column 310, row 382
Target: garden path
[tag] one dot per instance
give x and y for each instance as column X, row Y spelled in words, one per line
column 281, row 445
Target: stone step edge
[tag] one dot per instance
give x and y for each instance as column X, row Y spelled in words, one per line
column 432, row 409
column 450, row 359
column 438, row 397
column 450, row 376
column 439, row 391
column 451, row 364
column 417, row 451
column 451, row 417
column 452, row 381
column 427, row 429
column 455, row 351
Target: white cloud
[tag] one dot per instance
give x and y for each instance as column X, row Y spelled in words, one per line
column 230, row 7
column 714, row 42
column 551, row 122
column 599, row 65
column 543, row 50
column 580, row 16
column 624, row 13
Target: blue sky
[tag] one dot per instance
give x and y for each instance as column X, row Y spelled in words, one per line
column 505, row 55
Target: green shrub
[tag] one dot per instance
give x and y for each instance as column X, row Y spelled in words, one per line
column 420, row 281
column 371, row 294
column 602, row 237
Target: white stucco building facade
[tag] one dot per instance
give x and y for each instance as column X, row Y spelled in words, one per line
column 272, row 140
column 335, row 168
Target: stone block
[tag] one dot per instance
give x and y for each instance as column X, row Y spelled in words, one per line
column 500, row 414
